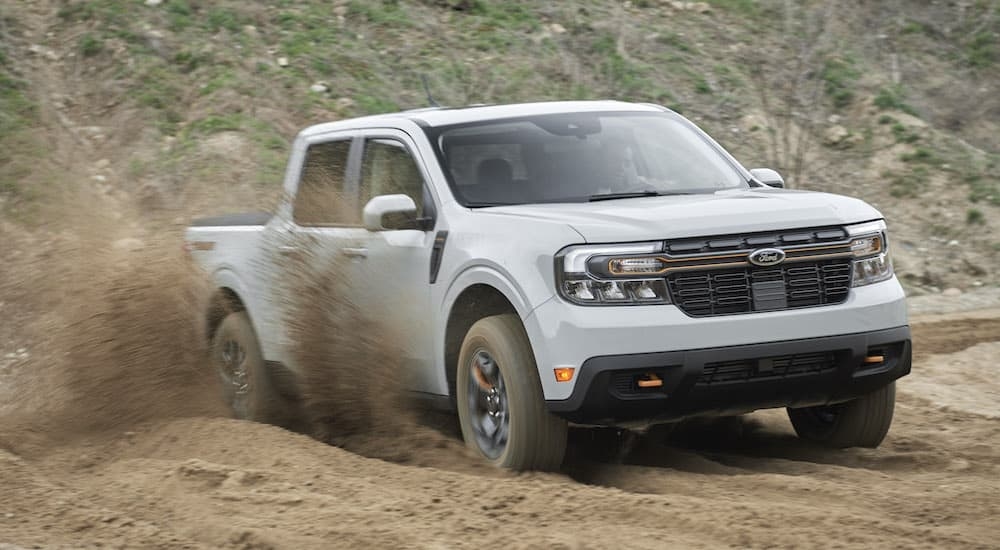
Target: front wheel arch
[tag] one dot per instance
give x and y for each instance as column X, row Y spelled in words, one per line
column 474, row 303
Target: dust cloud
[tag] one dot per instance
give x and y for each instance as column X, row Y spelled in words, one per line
column 116, row 326
column 351, row 379
column 114, row 331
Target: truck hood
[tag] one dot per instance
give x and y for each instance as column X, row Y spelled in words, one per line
column 724, row 212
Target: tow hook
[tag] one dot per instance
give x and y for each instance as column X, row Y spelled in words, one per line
column 649, row 380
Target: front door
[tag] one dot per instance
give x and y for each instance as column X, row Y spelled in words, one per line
column 397, row 261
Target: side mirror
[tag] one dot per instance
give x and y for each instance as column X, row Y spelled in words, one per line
column 386, row 205
column 768, row 177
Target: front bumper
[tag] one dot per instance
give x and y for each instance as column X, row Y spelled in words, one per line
column 734, row 379
column 568, row 335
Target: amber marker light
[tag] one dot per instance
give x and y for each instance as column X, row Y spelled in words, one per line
column 564, row 374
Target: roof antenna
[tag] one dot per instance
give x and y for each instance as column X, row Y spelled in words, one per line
column 427, row 89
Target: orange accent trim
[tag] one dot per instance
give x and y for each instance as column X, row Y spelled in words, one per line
column 788, row 259
column 817, row 256
column 699, row 266
column 811, row 248
column 481, row 381
column 873, row 359
column 202, row 245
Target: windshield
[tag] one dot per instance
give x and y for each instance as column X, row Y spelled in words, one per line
column 579, row 157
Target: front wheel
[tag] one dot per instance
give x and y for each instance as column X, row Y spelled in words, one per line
column 863, row 422
column 500, row 403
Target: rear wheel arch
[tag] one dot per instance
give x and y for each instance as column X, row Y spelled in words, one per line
column 248, row 382
column 224, row 301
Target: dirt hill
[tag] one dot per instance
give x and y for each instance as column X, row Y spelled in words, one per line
column 180, row 107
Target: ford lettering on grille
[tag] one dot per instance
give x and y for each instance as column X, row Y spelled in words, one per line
column 767, row 256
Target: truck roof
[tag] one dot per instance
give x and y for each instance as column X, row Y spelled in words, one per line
column 445, row 116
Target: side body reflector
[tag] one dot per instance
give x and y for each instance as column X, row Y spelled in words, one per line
column 564, row 374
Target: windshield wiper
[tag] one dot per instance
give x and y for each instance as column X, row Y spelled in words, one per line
column 629, row 195
column 479, row 204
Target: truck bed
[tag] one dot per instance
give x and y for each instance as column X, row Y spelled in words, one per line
column 242, row 218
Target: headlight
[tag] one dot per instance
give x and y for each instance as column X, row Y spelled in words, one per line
column 869, row 246
column 635, row 266
column 866, row 246
column 872, row 270
column 579, row 285
column 590, row 291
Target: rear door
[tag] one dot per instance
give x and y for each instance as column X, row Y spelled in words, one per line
column 396, row 274
column 321, row 237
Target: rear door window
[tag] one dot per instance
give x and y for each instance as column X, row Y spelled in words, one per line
column 322, row 197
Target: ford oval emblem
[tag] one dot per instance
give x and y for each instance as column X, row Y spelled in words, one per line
column 767, row 256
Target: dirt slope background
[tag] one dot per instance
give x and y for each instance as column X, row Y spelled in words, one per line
column 186, row 107
column 121, row 120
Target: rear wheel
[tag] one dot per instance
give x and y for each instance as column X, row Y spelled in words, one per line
column 863, row 422
column 500, row 403
column 246, row 383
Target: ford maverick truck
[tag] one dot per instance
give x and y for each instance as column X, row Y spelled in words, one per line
column 571, row 263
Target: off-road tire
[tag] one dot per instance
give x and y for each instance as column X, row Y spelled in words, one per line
column 863, row 422
column 536, row 438
column 261, row 402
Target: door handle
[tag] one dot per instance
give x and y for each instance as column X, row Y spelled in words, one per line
column 355, row 252
column 288, row 249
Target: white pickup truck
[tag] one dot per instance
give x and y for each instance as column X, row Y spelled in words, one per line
column 595, row 263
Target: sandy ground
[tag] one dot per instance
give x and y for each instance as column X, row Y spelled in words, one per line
column 169, row 480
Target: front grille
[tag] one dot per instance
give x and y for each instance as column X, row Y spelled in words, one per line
column 707, row 292
column 770, row 367
column 750, row 241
